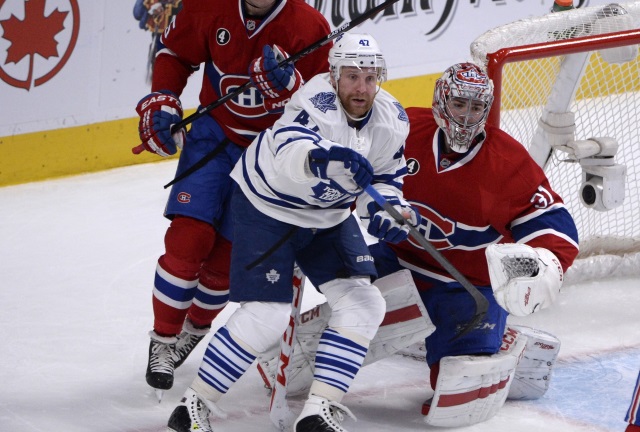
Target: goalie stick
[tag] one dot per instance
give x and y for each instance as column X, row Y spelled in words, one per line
column 291, row 59
column 482, row 304
column 279, row 411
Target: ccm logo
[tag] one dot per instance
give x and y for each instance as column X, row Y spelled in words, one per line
column 363, row 258
column 184, row 197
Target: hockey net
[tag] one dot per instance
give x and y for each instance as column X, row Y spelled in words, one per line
column 583, row 61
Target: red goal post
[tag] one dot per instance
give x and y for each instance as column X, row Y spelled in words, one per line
column 565, row 82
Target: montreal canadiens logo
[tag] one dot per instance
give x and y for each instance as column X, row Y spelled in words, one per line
column 247, row 103
column 184, row 197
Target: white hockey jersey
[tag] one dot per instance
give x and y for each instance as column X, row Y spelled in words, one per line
column 271, row 172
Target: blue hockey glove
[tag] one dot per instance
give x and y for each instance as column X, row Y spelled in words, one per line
column 346, row 169
column 158, row 111
column 274, row 83
column 141, row 13
column 383, row 226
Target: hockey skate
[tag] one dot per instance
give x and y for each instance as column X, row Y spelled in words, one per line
column 187, row 341
column 161, row 363
column 192, row 414
column 321, row 415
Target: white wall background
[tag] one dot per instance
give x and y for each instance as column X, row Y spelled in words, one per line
column 105, row 75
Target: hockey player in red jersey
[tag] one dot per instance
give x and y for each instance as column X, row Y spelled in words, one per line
column 633, row 413
column 490, row 210
column 234, row 40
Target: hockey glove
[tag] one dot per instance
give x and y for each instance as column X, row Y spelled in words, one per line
column 274, row 83
column 144, row 14
column 524, row 279
column 347, row 170
column 158, row 111
column 383, row 226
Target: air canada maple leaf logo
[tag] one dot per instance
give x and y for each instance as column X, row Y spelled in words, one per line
column 41, row 36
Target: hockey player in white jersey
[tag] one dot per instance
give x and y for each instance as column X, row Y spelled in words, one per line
column 297, row 182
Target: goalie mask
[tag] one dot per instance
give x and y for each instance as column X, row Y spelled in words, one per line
column 357, row 50
column 461, row 102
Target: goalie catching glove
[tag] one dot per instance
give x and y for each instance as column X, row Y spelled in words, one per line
column 347, row 170
column 159, row 111
column 524, row 279
column 276, row 84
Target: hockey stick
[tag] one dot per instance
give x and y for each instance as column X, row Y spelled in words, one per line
column 291, row 59
column 279, row 411
column 202, row 162
column 482, row 304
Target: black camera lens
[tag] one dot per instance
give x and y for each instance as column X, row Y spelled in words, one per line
column 589, row 194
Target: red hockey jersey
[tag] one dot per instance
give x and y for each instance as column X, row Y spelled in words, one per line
column 219, row 34
column 494, row 193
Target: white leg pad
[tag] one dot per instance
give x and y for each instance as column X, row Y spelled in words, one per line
column 406, row 322
column 533, row 374
column 249, row 326
column 471, row 389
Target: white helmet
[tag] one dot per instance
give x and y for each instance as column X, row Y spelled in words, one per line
column 463, row 81
column 357, row 50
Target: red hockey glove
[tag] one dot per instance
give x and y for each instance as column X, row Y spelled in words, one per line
column 158, row 111
column 275, row 84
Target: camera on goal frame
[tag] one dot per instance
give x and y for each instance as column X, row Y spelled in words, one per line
column 603, row 180
column 602, row 186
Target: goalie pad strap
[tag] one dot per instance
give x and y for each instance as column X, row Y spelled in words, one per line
column 533, row 374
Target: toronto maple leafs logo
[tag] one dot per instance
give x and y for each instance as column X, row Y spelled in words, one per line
column 403, row 114
column 324, row 101
column 57, row 33
column 273, row 276
column 326, row 193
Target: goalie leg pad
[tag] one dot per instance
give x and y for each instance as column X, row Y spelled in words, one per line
column 533, row 374
column 406, row 322
column 471, row 389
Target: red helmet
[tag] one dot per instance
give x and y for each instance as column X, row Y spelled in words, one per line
column 461, row 102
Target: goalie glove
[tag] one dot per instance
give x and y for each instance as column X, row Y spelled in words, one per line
column 524, row 279
column 159, row 111
column 276, row 84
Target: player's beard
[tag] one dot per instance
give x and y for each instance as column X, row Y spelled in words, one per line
column 357, row 105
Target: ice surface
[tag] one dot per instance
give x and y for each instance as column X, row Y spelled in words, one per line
column 76, row 268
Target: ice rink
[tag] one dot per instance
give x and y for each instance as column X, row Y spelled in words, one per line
column 76, row 269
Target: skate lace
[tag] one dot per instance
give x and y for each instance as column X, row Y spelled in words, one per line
column 161, row 359
column 186, row 343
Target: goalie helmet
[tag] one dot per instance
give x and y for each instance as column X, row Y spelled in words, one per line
column 357, row 50
column 461, row 102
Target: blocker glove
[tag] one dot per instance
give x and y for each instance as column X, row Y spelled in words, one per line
column 347, row 170
column 274, row 83
column 158, row 111
column 383, row 226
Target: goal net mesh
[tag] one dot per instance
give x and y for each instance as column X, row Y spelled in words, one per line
column 566, row 62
